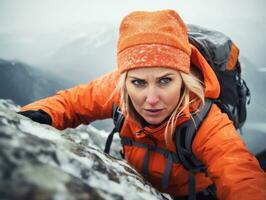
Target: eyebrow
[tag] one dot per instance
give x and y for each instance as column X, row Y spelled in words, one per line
column 167, row 74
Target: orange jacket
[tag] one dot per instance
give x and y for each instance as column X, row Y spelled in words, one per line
column 234, row 170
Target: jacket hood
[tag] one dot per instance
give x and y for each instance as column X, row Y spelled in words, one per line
column 210, row 80
column 212, row 86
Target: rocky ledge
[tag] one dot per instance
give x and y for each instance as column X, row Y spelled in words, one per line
column 39, row 162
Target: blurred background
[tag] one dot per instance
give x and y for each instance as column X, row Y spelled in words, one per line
column 50, row 45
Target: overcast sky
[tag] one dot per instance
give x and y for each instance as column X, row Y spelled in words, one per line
column 47, row 15
column 244, row 21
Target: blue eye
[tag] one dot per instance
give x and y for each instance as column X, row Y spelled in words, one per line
column 165, row 80
column 138, row 82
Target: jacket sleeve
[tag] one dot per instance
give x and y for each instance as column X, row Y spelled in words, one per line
column 81, row 104
column 234, row 170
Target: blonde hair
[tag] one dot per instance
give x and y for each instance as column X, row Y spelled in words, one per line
column 190, row 84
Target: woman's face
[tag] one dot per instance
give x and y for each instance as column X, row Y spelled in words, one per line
column 154, row 92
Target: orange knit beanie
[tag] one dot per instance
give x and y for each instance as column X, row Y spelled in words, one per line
column 153, row 39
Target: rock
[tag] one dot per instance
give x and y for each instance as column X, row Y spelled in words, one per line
column 40, row 162
column 9, row 104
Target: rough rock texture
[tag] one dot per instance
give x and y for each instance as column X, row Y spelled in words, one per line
column 40, row 162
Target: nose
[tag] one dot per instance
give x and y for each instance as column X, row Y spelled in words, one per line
column 152, row 97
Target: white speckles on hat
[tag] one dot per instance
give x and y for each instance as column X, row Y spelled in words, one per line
column 153, row 55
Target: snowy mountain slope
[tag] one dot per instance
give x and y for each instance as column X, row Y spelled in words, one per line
column 24, row 84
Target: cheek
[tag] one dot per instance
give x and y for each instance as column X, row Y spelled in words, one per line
column 136, row 96
column 173, row 96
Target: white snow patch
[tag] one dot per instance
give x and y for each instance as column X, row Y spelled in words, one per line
column 40, row 130
column 91, row 128
column 4, row 121
column 84, row 160
column 9, row 104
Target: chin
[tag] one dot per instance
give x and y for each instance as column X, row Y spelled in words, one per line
column 154, row 121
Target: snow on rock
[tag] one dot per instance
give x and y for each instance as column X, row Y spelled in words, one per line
column 9, row 104
column 40, row 162
column 90, row 136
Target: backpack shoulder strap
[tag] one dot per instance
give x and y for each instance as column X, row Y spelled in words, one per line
column 118, row 119
column 184, row 136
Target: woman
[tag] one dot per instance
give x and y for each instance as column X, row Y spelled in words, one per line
column 160, row 82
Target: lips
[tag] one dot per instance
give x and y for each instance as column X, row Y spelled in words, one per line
column 153, row 112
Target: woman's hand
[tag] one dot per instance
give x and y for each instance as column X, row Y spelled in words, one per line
column 37, row 116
